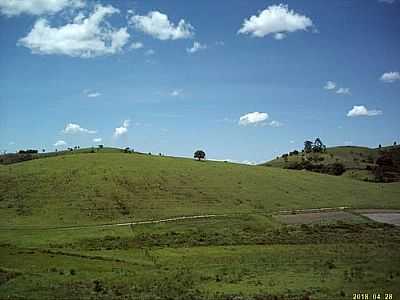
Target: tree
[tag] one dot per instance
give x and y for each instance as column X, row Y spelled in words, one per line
column 200, row 154
column 308, row 146
column 318, row 146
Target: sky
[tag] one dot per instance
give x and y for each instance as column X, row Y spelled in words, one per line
column 242, row 80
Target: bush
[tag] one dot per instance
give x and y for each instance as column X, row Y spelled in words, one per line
column 336, row 169
column 384, row 160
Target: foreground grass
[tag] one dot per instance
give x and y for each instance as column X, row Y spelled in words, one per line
column 255, row 258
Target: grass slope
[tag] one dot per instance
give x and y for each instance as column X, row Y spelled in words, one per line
column 107, row 187
column 248, row 254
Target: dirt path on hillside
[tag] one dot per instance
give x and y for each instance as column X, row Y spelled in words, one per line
column 180, row 218
column 74, row 227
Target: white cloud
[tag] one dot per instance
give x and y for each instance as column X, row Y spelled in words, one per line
column 97, row 140
column 387, row 1
column 343, row 91
column 361, row 110
column 275, row 124
column 390, row 77
column 72, row 128
column 85, row 37
column 94, row 95
column 137, row 45
column 196, row 47
column 159, row 26
column 60, row 143
column 150, row 52
column 176, row 93
column 253, row 118
column 37, row 7
column 123, row 129
column 330, row 85
column 276, row 19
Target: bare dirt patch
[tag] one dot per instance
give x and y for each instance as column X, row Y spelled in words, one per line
column 317, row 217
column 388, row 218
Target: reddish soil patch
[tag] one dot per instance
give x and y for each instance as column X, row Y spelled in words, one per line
column 317, row 217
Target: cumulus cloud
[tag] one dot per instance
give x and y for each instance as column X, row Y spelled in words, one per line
column 390, row 77
column 123, row 129
column 330, row 85
column 97, row 140
column 85, row 37
column 72, row 128
column 361, row 110
column 253, row 118
column 60, row 143
column 277, row 20
column 196, row 47
column 37, row 7
column 343, row 91
column 158, row 25
column 137, row 45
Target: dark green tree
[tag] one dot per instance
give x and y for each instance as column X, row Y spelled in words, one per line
column 200, row 154
column 308, row 145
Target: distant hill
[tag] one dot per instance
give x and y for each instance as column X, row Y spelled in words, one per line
column 359, row 162
column 110, row 186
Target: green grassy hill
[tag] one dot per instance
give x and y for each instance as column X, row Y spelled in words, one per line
column 108, row 186
column 359, row 162
column 246, row 252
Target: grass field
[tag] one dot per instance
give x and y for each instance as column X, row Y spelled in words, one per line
column 245, row 253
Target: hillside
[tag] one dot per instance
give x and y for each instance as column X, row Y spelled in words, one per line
column 359, row 162
column 70, row 228
column 107, row 186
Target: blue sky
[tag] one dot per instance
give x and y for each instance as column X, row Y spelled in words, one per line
column 242, row 80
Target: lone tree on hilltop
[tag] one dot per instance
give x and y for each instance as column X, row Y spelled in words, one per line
column 200, row 154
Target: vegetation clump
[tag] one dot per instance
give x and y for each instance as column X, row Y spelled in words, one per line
column 199, row 155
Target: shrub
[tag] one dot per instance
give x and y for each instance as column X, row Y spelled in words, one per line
column 384, row 160
column 336, row 169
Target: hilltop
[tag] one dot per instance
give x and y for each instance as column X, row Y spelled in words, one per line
column 362, row 163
